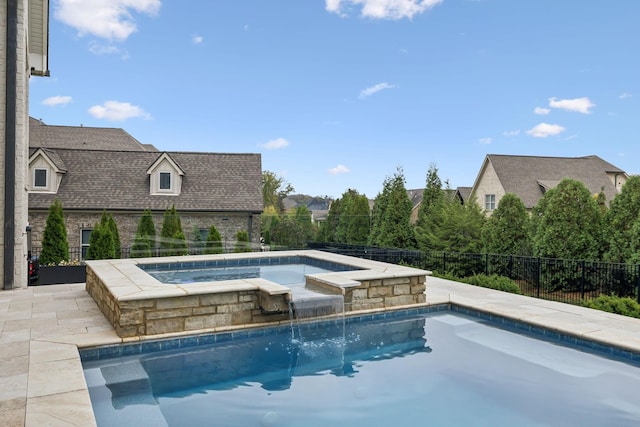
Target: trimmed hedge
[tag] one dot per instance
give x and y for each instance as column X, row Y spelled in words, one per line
column 625, row 306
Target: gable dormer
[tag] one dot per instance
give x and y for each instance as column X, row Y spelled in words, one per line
column 45, row 171
column 165, row 176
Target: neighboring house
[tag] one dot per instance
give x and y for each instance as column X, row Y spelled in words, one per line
column 24, row 47
column 529, row 177
column 95, row 169
column 462, row 194
column 318, row 206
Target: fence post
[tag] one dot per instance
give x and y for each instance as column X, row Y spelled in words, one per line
column 582, row 280
column 444, row 262
column 538, row 274
column 486, row 264
column 638, row 283
column 511, row 266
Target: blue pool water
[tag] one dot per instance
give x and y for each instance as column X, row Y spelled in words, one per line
column 440, row 368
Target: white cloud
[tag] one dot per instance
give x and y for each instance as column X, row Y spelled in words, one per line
column 374, row 89
column 541, row 111
column 197, row 39
column 544, row 130
column 625, row 95
column 56, row 100
column 117, row 111
column 104, row 49
column 275, row 144
column 578, row 105
column 108, row 19
column 382, row 9
column 338, row 170
column 485, row 140
column 511, row 132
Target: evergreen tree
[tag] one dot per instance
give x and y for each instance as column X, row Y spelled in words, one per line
column 242, row 242
column 567, row 223
column 461, row 227
column 391, row 219
column 55, row 246
column 102, row 243
column 431, row 212
column 507, row 229
column 288, row 233
column 354, row 220
column 172, row 238
column 214, row 241
column 302, row 216
column 145, row 238
column 333, row 220
column 622, row 222
column 116, row 237
column 267, row 219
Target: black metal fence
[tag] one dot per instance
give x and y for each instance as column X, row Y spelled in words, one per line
column 564, row 280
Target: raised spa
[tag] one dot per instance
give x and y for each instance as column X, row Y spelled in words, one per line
column 202, row 294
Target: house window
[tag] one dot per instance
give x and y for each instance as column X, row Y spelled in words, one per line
column 165, row 180
column 204, row 233
column 40, row 178
column 85, row 236
column 490, row 202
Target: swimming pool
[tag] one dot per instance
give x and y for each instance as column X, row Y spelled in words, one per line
column 418, row 367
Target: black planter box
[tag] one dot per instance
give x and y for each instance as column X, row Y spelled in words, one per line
column 62, row 274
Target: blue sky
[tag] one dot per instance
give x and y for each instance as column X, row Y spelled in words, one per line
column 337, row 94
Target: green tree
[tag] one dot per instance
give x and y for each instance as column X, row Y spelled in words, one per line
column 268, row 218
column 354, row 219
column 330, row 226
column 172, row 239
column 566, row 224
column 288, row 233
column 213, row 244
column 242, row 242
column 145, row 238
column 274, row 191
column 116, row 237
column 461, row 227
column 302, row 216
column 622, row 223
column 102, row 243
column 55, row 246
column 431, row 212
column 507, row 229
column 391, row 217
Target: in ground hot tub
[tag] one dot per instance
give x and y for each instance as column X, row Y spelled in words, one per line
column 139, row 304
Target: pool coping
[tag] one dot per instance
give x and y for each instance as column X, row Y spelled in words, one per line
column 45, row 327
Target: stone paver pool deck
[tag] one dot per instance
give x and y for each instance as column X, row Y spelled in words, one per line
column 41, row 328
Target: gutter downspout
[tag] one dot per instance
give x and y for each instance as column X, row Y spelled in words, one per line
column 10, row 144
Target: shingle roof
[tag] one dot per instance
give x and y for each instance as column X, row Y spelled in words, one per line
column 81, row 137
column 523, row 175
column 113, row 180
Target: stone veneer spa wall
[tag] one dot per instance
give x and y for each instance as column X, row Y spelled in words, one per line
column 137, row 304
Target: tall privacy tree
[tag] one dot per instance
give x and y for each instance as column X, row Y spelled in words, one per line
column 431, row 212
column 242, row 242
column 391, row 217
column 172, row 239
column 566, row 223
column 55, row 246
column 102, row 243
column 113, row 227
column 213, row 245
column 354, row 219
column 622, row 223
column 302, row 216
column 507, row 230
column 461, row 227
column 145, row 238
column 328, row 228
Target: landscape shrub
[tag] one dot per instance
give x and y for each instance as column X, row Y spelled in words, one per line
column 494, row 281
column 55, row 246
column 619, row 305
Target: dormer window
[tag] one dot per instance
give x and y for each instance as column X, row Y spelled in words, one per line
column 165, row 176
column 40, row 178
column 165, row 181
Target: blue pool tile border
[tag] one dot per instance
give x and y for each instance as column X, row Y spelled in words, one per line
column 190, row 341
column 247, row 262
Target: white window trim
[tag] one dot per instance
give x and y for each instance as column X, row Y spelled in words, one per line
column 46, row 179
column 167, row 190
column 490, row 202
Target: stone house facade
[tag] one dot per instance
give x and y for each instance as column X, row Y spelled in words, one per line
column 529, row 177
column 91, row 170
column 24, row 52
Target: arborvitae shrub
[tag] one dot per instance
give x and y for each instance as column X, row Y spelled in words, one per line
column 55, row 246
